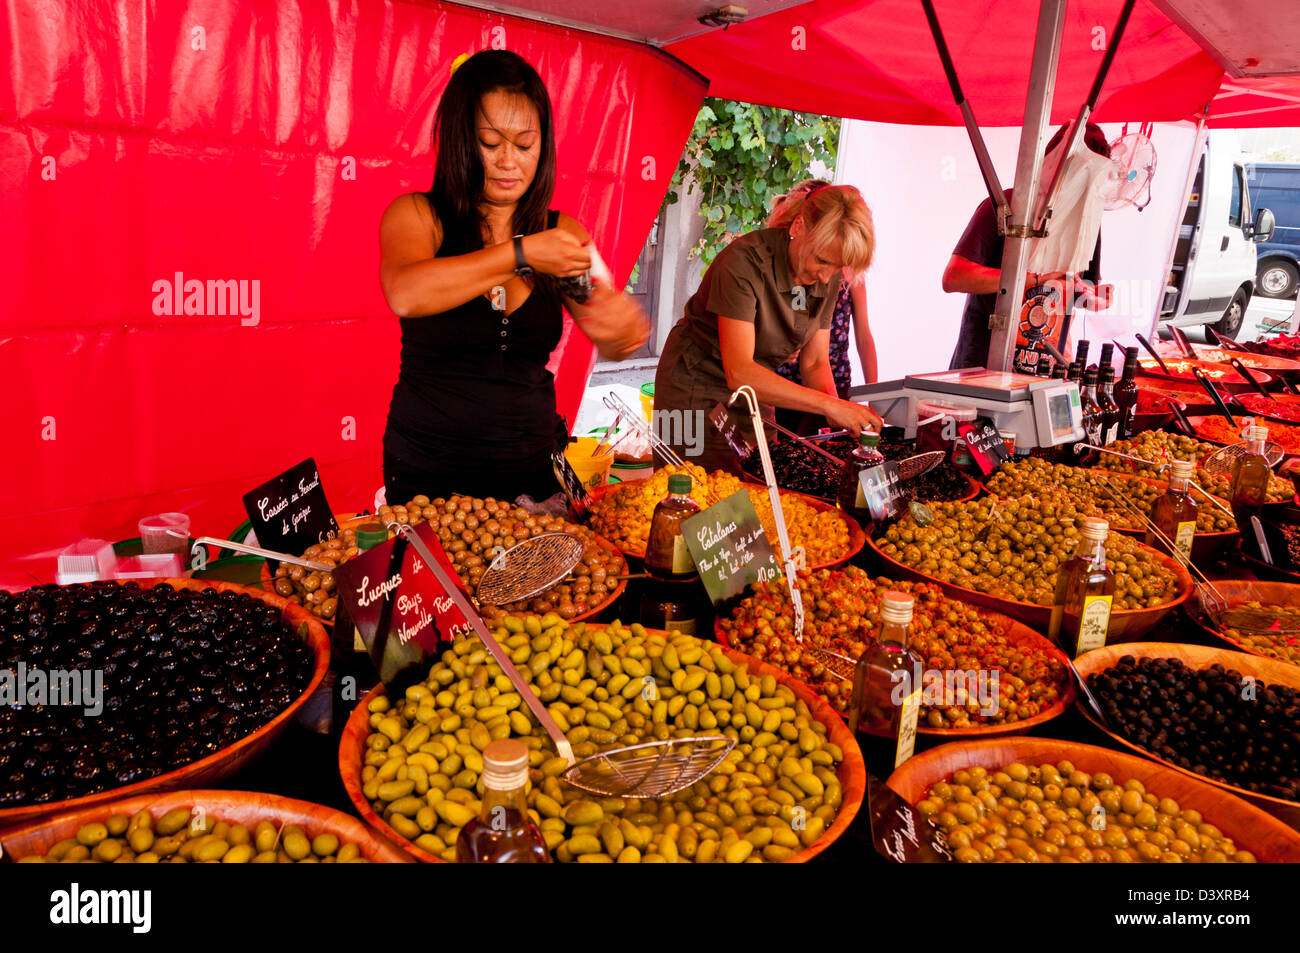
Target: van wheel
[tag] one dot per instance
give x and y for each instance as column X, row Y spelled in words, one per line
column 1234, row 317
column 1277, row 278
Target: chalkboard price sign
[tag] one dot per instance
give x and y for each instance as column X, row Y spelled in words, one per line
column 986, row 444
column 729, row 547
column 898, row 832
column 571, row 483
column 290, row 513
column 884, row 492
column 733, row 430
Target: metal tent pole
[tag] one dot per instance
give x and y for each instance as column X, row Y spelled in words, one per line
column 1029, row 167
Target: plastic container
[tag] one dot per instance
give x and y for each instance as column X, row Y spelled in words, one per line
column 592, row 471
column 631, row 471
column 940, row 433
column 87, row 561
column 151, row 566
column 165, row 533
column 648, row 401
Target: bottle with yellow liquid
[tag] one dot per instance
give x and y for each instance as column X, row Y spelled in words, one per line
column 1174, row 513
column 1250, row 477
column 1085, row 587
column 886, row 689
column 671, row 599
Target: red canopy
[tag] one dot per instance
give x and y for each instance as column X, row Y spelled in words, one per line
column 876, row 59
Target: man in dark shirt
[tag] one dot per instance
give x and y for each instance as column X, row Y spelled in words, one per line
column 976, row 269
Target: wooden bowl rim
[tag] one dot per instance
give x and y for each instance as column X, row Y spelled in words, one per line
column 852, row 771
column 312, row 817
column 1226, row 588
column 1091, row 662
column 1012, row 630
column 1119, row 762
column 316, row 639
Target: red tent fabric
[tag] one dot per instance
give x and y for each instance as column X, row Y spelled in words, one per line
column 1256, row 102
column 876, row 59
column 147, row 144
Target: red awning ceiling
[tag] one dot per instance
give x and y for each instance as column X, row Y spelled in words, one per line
column 1257, row 103
column 876, row 60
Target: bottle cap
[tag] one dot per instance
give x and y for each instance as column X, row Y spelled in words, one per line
column 1130, row 356
column 1256, row 432
column 679, row 483
column 1183, row 469
column 505, row 765
column 1106, row 375
column 896, row 607
column 1090, row 376
column 868, row 439
column 370, row 535
column 1094, row 528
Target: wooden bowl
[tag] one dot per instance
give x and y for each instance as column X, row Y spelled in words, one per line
column 268, row 581
column 236, row 807
column 857, row 537
column 852, row 771
column 1251, row 829
column 1199, row 657
column 1236, row 592
column 1013, row 632
column 1126, row 625
column 1267, row 572
column 1258, row 405
column 220, row 764
column 1197, row 423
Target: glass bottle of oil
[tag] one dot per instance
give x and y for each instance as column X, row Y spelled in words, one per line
column 666, row 555
column 887, row 689
column 1250, row 477
column 851, row 498
column 1174, row 513
column 1084, row 589
column 503, row 833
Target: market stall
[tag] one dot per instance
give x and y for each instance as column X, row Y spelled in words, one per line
column 697, row 666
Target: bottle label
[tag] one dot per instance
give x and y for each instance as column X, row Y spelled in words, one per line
column 1183, row 539
column 1094, row 623
column 907, row 727
column 681, row 555
column 684, row 626
column 860, row 501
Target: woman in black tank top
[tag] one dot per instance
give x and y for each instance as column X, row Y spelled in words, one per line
column 473, row 269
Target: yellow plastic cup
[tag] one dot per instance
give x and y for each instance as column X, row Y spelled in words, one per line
column 592, row 471
column 648, row 401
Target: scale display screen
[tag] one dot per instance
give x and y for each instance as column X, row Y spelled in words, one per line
column 1058, row 415
column 1058, row 411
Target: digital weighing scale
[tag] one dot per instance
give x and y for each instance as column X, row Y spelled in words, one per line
column 1039, row 411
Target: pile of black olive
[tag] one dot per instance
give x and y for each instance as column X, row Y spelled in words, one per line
column 185, row 674
column 1206, row 721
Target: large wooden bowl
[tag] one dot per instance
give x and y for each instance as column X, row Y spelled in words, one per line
column 220, row 764
column 1238, row 591
column 235, row 807
column 1261, row 406
column 857, row 537
column 1204, row 545
column 268, row 581
column 1126, row 625
column 1198, row 657
column 852, row 771
column 1196, row 423
column 1013, row 632
column 1224, row 378
column 1250, row 828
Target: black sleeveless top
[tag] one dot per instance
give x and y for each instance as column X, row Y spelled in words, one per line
column 473, row 382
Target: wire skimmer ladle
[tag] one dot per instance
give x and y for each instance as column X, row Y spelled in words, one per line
column 651, row 769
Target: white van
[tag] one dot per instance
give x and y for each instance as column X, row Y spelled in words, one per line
column 1213, row 274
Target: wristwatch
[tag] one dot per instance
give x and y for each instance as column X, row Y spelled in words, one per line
column 522, row 268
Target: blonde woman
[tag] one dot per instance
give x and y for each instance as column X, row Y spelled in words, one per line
column 768, row 295
column 850, row 309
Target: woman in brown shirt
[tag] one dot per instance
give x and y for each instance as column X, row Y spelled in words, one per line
column 767, row 295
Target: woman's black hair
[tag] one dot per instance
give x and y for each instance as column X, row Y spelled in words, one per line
column 458, row 175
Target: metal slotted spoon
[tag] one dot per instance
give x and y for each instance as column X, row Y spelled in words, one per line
column 1220, row 462
column 649, row 770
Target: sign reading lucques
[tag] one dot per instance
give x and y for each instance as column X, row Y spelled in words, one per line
column 402, row 612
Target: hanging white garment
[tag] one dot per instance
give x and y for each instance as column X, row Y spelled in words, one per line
column 1076, row 212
